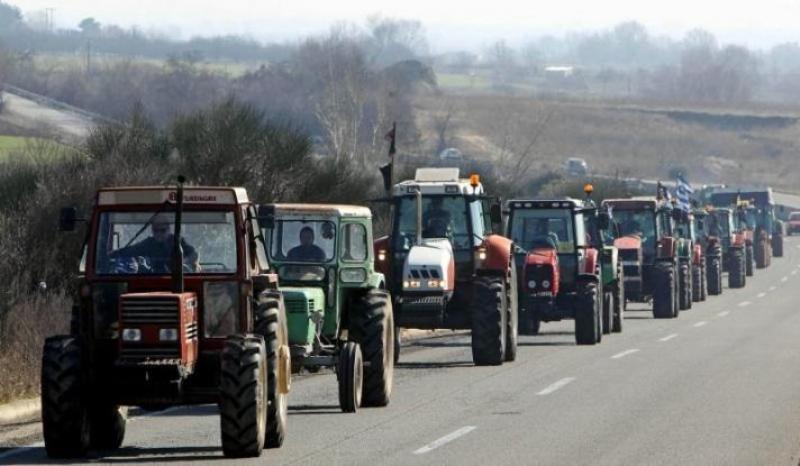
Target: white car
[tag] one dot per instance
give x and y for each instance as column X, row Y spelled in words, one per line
column 451, row 154
column 576, row 166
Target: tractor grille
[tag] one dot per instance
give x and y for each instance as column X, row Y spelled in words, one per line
column 299, row 306
column 150, row 353
column 149, row 310
column 631, row 262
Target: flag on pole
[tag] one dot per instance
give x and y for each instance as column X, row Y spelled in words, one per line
column 683, row 192
column 391, row 136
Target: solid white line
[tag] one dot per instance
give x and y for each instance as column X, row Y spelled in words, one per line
column 744, row 303
column 700, row 324
column 550, row 389
column 761, row 295
column 668, row 337
column 624, row 353
column 444, row 440
column 773, row 288
column 723, row 313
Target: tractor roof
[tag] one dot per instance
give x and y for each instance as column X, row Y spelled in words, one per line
column 729, row 196
column 437, row 181
column 339, row 210
column 649, row 203
column 143, row 195
column 565, row 203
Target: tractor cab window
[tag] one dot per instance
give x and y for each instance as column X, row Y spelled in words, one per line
column 300, row 240
column 641, row 223
column 354, row 242
column 543, row 228
column 479, row 228
column 442, row 217
column 135, row 243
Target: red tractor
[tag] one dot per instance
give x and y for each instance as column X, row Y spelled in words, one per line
column 445, row 265
column 177, row 304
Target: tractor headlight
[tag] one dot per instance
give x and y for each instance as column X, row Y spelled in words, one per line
column 131, row 334
column 382, row 255
column 434, row 283
column 532, row 284
column 168, row 334
column 545, row 283
column 411, row 283
column 353, row 275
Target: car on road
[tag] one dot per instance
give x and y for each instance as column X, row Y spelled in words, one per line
column 451, row 154
column 575, row 166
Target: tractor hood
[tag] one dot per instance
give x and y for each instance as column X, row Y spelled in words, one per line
column 628, row 242
column 430, row 266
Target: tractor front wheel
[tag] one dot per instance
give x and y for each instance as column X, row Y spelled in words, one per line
column 512, row 314
column 350, row 375
column 107, row 429
column 750, row 261
column 271, row 324
column 664, row 292
column 685, row 286
column 65, row 417
column 737, row 269
column 714, row 276
column 489, row 321
column 243, row 396
column 777, row 245
column 372, row 327
column 588, row 314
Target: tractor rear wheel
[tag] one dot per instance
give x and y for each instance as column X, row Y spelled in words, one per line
column 107, row 426
column 489, row 321
column 65, row 417
column 619, row 305
column 512, row 314
column 777, row 245
column 703, row 279
column 396, row 344
column 685, row 285
column 664, row 291
column 372, row 327
column 714, row 276
column 608, row 311
column 588, row 315
column 750, row 261
column 736, row 269
column 350, row 375
column 697, row 283
column 271, row 324
column 762, row 254
column 243, row 396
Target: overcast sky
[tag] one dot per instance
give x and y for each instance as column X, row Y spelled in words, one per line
column 450, row 24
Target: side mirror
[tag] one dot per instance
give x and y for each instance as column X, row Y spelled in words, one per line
column 496, row 214
column 67, row 219
column 266, row 216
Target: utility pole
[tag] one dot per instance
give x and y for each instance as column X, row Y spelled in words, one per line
column 88, row 56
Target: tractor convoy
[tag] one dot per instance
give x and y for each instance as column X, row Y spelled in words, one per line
column 199, row 295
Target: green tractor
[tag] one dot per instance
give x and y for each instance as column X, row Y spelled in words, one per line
column 733, row 243
column 707, row 234
column 691, row 255
column 339, row 312
column 756, row 210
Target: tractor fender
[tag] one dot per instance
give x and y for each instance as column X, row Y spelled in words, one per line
column 498, row 254
column 588, row 278
column 381, row 249
column 697, row 254
column 590, row 264
column 739, row 239
column 377, row 280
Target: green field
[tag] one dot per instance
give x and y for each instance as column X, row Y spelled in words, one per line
column 28, row 148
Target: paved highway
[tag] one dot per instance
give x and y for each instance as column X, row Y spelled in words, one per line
column 21, row 111
column 719, row 385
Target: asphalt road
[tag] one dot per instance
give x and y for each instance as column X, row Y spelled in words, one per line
column 718, row 385
column 33, row 115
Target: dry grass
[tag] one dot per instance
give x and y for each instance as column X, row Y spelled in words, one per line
column 631, row 140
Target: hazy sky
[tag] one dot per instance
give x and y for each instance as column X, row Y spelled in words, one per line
column 450, row 24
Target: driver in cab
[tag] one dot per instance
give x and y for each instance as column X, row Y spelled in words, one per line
column 436, row 220
column 157, row 249
column 306, row 251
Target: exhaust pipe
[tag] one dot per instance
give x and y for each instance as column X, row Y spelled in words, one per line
column 177, row 248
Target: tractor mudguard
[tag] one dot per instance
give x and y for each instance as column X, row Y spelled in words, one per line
column 498, row 254
column 666, row 247
column 590, row 261
column 697, row 256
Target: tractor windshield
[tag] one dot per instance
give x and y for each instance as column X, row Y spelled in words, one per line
column 312, row 241
column 538, row 228
column 723, row 222
column 442, row 217
column 134, row 243
column 641, row 223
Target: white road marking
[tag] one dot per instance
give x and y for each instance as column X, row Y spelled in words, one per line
column 668, row 337
column 625, row 353
column 445, row 440
column 700, row 324
column 744, row 303
column 723, row 313
column 761, row 295
column 784, row 279
column 561, row 383
column 773, row 288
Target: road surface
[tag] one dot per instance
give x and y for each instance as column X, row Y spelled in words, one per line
column 73, row 127
column 718, row 385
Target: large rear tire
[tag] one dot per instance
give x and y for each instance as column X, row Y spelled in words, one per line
column 512, row 314
column 664, row 292
column 107, row 426
column 703, row 279
column 350, row 375
column 588, row 315
column 697, row 283
column 714, row 274
column 777, row 245
column 619, row 303
column 749, row 261
column 243, row 396
column 608, row 311
column 736, row 269
column 489, row 322
column 372, row 327
column 685, row 286
column 65, row 417
column 271, row 324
